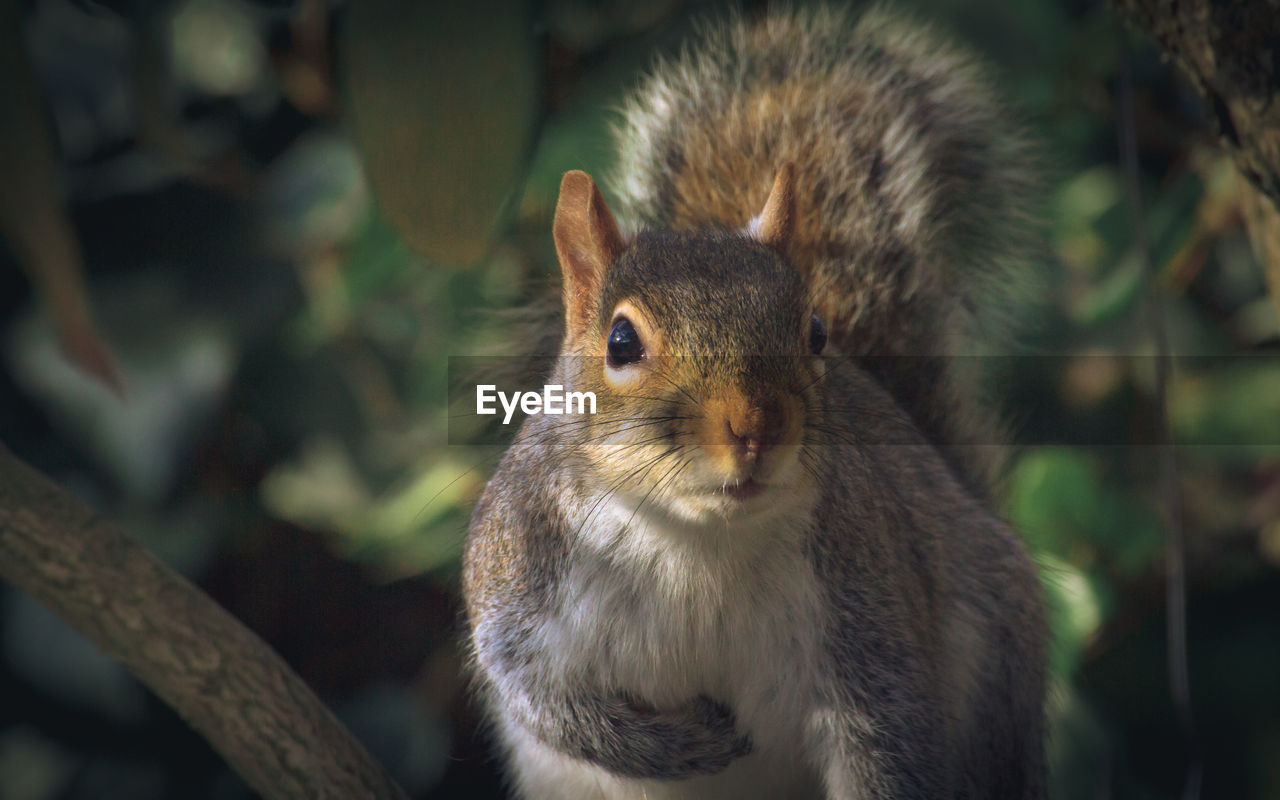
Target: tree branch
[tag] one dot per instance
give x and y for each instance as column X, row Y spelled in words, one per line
column 225, row 681
column 1231, row 53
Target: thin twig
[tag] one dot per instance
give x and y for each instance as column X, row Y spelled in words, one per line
column 1175, row 539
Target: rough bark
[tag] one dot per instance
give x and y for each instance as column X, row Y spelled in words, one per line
column 1231, row 53
column 225, row 681
column 1230, row 50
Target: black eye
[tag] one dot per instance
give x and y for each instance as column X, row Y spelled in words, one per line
column 817, row 336
column 624, row 344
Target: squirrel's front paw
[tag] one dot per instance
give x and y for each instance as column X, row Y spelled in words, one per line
column 722, row 743
column 697, row 739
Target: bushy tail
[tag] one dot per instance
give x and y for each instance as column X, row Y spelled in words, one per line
column 912, row 184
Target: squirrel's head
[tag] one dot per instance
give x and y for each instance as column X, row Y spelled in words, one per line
column 701, row 349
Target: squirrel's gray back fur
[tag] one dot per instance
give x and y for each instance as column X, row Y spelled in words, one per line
column 913, row 187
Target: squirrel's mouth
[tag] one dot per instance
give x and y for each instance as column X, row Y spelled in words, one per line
column 743, row 491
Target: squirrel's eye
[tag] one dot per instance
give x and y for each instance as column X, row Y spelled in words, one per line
column 624, row 344
column 817, row 336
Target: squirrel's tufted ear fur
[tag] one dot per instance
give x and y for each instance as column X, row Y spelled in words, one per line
column 778, row 220
column 587, row 242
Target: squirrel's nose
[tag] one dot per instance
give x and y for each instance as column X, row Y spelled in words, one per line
column 754, row 427
column 746, row 430
column 740, row 428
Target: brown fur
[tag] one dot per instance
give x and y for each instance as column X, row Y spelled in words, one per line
column 911, row 184
column 587, row 241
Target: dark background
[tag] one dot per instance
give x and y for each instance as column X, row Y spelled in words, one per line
column 293, row 213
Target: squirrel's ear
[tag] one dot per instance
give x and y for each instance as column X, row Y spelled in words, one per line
column 587, row 242
column 777, row 222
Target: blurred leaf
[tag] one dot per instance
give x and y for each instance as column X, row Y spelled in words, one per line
column 1237, row 404
column 1113, row 295
column 33, row 215
column 1057, row 499
column 216, row 47
column 579, row 139
column 1050, row 492
column 415, row 528
column 322, row 489
column 581, row 135
column 375, row 259
column 177, row 366
column 315, row 197
column 1171, row 215
column 1075, row 612
column 1086, row 197
column 1264, row 233
column 443, row 100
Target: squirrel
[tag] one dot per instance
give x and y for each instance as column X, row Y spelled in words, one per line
column 764, row 568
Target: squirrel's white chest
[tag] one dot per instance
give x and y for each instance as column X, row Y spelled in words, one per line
column 659, row 614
